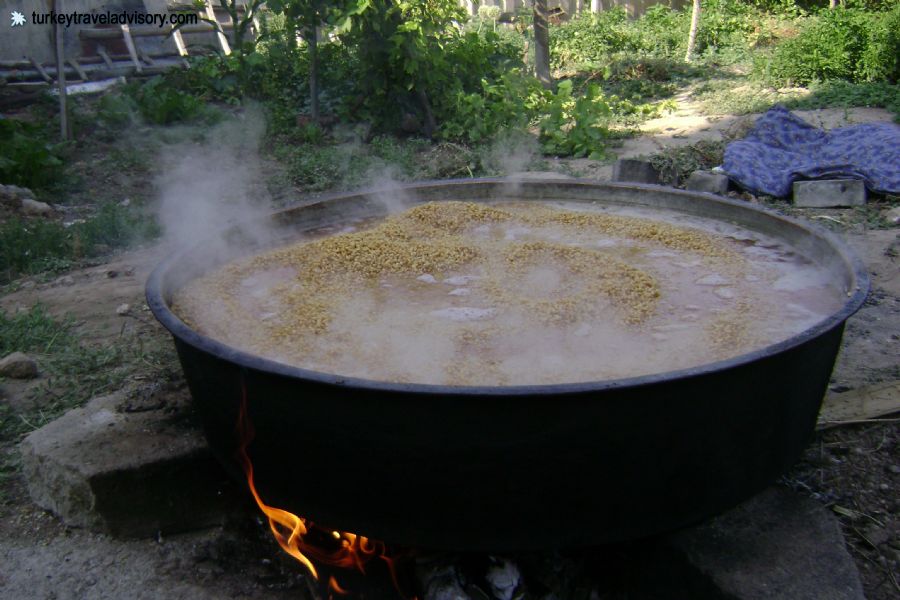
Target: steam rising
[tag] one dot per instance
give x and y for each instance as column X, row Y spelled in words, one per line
column 211, row 184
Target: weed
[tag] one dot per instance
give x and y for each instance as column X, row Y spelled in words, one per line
column 675, row 165
column 74, row 372
column 33, row 330
column 37, row 245
column 847, row 94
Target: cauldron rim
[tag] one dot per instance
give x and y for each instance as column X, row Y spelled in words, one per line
column 160, row 308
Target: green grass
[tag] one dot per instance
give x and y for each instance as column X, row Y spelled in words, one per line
column 31, row 246
column 73, row 373
column 741, row 96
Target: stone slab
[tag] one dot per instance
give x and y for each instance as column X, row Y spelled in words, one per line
column 634, row 171
column 707, row 181
column 130, row 465
column 829, row 193
column 777, row 545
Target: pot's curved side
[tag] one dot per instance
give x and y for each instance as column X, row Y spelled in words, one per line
column 517, row 473
column 519, row 468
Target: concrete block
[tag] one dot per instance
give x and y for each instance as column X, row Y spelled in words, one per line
column 777, row 545
column 707, row 181
column 829, row 193
column 634, row 171
column 129, row 465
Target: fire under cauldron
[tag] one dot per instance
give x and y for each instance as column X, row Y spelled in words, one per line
column 514, row 467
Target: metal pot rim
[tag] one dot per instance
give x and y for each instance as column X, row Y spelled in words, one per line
column 158, row 305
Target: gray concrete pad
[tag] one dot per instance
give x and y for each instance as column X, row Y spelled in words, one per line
column 634, row 171
column 130, row 465
column 707, row 181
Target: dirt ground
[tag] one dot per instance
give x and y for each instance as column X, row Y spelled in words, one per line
column 853, row 469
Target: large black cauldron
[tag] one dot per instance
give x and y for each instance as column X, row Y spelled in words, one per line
column 516, row 468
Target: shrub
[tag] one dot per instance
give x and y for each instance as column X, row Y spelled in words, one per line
column 27, row 157
column 841, row 43
column 589, row 38
column 576, row 126
column 161, row 103
column 510, row 103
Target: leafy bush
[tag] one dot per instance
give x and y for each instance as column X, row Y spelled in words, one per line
column 576, row 126
column 724, row 24
column 663, row 32
column 211, row 77
column 841, row 43
column 27, row 157
column 160, row 103
column 510, row 103
column 591, row 37
column 880, row 60
column 116, row 110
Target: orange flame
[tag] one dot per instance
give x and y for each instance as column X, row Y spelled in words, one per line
column 353, row 551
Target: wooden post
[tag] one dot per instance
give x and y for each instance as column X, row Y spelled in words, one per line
column 40, row 68
column 211, row 15
column 78, row 69
column 179, row 42
column 132, row 51
column 102, row 52
column 60, row 77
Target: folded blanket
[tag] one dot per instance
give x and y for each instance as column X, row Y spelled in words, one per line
column 782, row 148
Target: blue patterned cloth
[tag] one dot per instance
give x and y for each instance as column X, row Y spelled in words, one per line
column 782, row 148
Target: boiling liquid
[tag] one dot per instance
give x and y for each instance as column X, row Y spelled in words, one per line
column 548, row 299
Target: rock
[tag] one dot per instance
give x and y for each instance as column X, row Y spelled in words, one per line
column 18, row 366
column 65, row 280
column 636, row 171
column 12, row 195
column 129, row 465
column 707, row 181
column 776, row 545
column 35, row 209
column 504, row 579
column 829, row 193
column 442, row 582
column 123, row 309
column 892, row 215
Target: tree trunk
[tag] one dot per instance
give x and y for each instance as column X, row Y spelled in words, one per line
column 692, row 36
column 542, row 44
column 596, row 6
column 430, row 122
column 313, row 43
column 832, row 4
